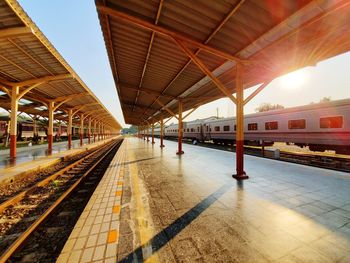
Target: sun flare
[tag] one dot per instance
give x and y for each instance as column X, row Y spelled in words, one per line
column 293, row 80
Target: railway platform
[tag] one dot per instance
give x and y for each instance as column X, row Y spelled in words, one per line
column 31, row 159
column 155, row 205
column 25, row 154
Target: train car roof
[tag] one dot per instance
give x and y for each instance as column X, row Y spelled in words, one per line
column 314, row 106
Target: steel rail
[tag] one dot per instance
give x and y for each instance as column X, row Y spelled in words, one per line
column 17, row 198
column 23, row 237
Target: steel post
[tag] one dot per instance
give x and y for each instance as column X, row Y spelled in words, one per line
column 161, row 132
column 240, row 174
column 95, row 130
column 50, row 128
column 13, row 124
column 81, row 129
column 180, row 130
column 70, row 126
column 147, row 133
column 89, row 131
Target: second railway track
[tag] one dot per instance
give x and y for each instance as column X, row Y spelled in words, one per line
column 23, row 214
column 321, row 161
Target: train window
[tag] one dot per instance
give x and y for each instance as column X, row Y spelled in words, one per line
column 331, row 122
column 297, row 124
column 272, row 125
column 217, row 128
column 226, row 128
column 252, row 126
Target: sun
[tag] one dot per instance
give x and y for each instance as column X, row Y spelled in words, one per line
column 293, row 80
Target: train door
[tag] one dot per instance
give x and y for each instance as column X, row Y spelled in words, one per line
column 207, row 132
column 201, row 135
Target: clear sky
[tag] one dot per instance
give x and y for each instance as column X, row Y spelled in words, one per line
column 73, row 28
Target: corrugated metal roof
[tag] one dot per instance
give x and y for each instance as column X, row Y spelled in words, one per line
column 275, row 36
column 26, row 54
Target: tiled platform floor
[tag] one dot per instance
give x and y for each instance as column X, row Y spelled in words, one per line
column 189, row 209
column 95, row 235
column 8, row 173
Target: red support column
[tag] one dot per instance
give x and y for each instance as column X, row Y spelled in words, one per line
column 69, row 129
column 147, row 133
column 13, row 123
column 161, row 135
column 89, row 131
column 50, row 128
column 153, row 133
column 81, row 129
column 94, row 133
column 240, row 175
column 180, row 130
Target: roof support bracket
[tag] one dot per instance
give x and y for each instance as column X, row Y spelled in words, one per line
column 26, row 90
column 167, row 109
column 6, row 90
column 204, row 69
column 39, row 80
column 260, row 88
column 188, row 114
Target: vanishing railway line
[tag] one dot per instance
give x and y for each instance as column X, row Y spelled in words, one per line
column 12, row 188
column 50, row 208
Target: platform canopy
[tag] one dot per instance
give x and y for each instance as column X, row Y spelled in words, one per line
column 29, row 60
column 164, row 51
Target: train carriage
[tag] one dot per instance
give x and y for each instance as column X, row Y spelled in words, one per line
column 322, row 126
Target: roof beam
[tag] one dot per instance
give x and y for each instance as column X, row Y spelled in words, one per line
column 166, row 108
column 205, row 70
column 137, row 106
column 71, row 96
column 6, row 90
column 163, row 31
column 148, row 52
column 260, row 88
column 15, row 32
column 145, row 90
column 40, row 80
column 212, row 34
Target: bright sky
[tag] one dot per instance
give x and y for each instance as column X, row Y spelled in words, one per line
column 73, row 28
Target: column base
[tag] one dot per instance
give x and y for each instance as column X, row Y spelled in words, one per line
column 153, row 142
column 162, row 146
column 240, row 177
column 180, row 152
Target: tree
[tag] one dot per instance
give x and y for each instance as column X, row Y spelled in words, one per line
column 131, row 130
column 268, row 106
column 325, row 99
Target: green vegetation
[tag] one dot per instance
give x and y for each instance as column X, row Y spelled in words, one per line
column 268, row 106
column 131, row 130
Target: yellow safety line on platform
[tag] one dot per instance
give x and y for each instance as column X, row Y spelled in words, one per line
column 142, row 215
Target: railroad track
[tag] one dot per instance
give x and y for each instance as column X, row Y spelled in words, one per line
column 326, row 162
column 13, row 187
column 22, row 216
